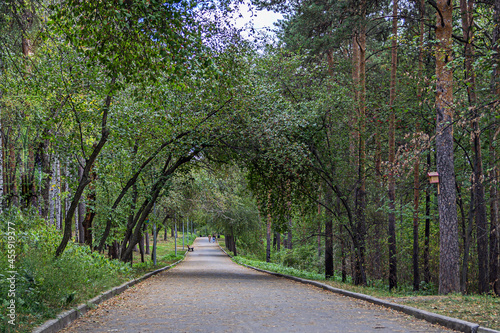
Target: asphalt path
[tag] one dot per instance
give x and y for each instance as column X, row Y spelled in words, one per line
column 207, row 292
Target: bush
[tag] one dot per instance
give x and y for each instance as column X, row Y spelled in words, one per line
column 44, row 284
column 302, row 257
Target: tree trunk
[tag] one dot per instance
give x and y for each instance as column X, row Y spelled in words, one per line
column 494, row 277
column 233, row 242
column 66, row 189
column 416, row 195
column 13, row 193
column 149, row 202
column 268, row 237
column 359, row 80
column 89, row 217
column 130, row 223
column 379, row 218
column 360, row 230
column 466, row 8
column 85, row 176
column 467, row 242
column 289, row 234
column 343, row 253
column 113, row 250
column 319, row 223
column 290, row 225
column 427, row 231
column 125, row 189
column 141, row 247
column 393, row 276
column 81, row 211
column 52, row 195
column 449, row 280
column 57, row 193
column 47, row 171
column 329, row 233
column 416, row 181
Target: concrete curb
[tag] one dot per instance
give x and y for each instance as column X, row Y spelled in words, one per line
column 65, row 318
column 448, row 322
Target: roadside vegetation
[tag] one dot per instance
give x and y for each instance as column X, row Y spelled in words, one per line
column 45, row 285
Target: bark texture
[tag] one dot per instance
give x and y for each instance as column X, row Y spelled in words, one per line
column 449, row 280
column 393, row 275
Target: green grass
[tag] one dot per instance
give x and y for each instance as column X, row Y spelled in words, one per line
column 277, row 268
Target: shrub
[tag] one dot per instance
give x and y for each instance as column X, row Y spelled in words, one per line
column 44, row 284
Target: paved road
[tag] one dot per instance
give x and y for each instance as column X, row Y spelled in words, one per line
column 207, row 292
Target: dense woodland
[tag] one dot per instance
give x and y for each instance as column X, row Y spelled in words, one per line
column 310, row 145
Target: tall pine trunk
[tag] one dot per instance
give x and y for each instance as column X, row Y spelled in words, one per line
column 416, row 165
column 329, row 233
column 268, row 229
column 494, row 278
column 449, row 279
column 427, row 230
column 359, row 54
column 393, row 276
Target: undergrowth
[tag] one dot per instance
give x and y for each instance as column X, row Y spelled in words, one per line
column 279, row 268
column 44, row 285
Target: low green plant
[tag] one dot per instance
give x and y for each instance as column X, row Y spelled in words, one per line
column 44, row 285
column 301, row 257
column 279, row 268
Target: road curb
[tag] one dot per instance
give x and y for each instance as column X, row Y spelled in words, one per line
column 65, row 318
column 448, row 322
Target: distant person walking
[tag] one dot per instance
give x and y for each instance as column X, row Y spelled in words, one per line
column 209, row 238
column 213, row 237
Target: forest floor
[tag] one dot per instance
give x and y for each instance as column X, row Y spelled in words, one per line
column 482, row 310
column 208, row 292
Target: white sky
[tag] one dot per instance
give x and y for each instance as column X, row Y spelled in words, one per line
column 260, row 19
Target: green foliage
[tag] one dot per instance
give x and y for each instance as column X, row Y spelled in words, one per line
column 301, row 257
column 45, row 285
column 135, row 39
column 278, row 268
column 221, row 202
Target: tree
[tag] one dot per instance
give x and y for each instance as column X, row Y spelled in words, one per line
column 393, row 276
column 159, row 31
column 449, row 280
